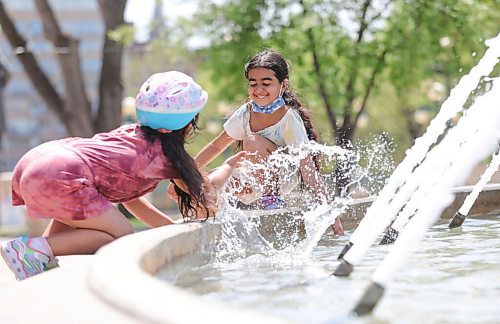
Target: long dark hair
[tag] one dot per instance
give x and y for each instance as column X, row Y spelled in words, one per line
column 273, row 60
column 199, row 199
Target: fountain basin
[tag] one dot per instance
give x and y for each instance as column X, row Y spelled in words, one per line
column 122, row 273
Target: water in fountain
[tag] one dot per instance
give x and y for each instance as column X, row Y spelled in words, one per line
column 449, row 268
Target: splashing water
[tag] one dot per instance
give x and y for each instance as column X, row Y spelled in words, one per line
column 317, row 221
column 376, row 156
column 240, row 233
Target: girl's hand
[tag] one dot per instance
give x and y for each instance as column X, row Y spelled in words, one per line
column 171, row 191
column 235, row 160
column 220, row 175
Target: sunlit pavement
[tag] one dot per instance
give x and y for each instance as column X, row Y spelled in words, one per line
column 60, row 295
column 6, row 276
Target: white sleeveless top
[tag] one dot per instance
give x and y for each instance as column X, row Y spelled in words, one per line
column 290, row 130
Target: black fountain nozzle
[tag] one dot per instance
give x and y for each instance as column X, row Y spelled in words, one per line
column 369, row 299
column 457, row 220
column 346, row 248
column 344, row 269
column 390, row 236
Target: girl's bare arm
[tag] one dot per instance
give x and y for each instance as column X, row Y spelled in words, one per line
column 142, row 209
column 204, row 157
column 312, row 178
column 213, row 149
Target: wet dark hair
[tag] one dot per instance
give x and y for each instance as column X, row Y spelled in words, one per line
column 275, row 61
column 199, row 198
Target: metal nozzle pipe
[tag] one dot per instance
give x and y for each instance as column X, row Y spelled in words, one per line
column 457, row 220
column 369, row 299
column 344, row 250
column 344, row 269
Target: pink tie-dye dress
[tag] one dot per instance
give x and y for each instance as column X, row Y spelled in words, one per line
column 79, row 178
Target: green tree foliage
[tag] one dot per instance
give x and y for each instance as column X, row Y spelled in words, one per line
column 350, row 59
column 234, row 34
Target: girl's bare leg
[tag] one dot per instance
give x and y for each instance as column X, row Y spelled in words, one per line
column 56, row 226
column 263, row 148
column 258, row 144
column 87, row 236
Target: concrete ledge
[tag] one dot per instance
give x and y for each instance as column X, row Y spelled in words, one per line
column 487, row 203
column 60, row 295
column 121, row 274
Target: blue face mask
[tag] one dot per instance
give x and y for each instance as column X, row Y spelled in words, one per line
column 272, row 107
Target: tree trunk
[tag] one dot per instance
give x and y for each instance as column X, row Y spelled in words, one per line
column 319, row 75
column 74, row 110
column 414, row 129
column 110, row 84
column 76, row 102
column 349, row 125
column 36, row 75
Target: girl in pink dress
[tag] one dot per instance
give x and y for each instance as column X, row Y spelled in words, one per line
column 76, row 181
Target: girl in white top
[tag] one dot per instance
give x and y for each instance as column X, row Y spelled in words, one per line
column 273, row 118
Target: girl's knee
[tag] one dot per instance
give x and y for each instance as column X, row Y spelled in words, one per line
column 258, row 143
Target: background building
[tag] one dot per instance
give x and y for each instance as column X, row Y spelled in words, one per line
column 28, row 121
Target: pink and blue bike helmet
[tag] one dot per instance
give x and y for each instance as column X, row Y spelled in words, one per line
column 169, row 100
